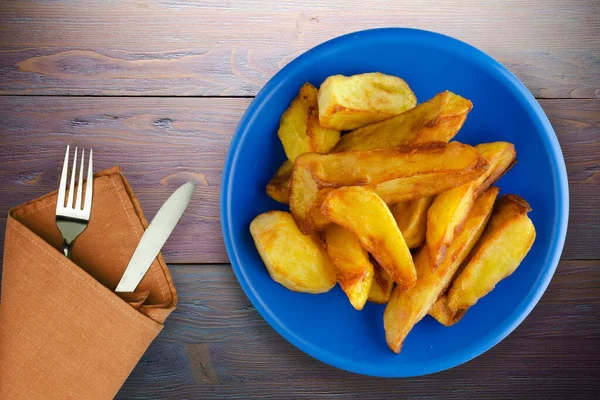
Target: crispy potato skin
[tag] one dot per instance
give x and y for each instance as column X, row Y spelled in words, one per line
column 278, row 187
column 305, row 201
column 368, row 218
column 298, row 262
column 438, row 119
column 411, row 217
column 372, row 167
column 404, row 189
column 299, row 128
column 443, row 314
column 350, row 102
column 505, row 242
column 450, row 208
column 381, row 289
column 501, row 156
column 406, row 308
column 354, row 271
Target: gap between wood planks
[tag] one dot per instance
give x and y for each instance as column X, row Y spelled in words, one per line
column 218, row 97
column 184, row 264
column 163, row 96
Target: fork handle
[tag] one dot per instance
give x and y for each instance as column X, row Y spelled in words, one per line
column 66, row 248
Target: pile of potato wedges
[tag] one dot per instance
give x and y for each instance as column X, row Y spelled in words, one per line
column 385, row 204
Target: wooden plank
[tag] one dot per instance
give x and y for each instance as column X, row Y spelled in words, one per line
column 214, row 48
column 159, row 143
column 215, row 344
column 577, row 125
column 162, row 142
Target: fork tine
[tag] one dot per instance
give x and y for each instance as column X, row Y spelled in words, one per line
column 62, row 188
column 72, row 185
column 79, row 197
column 89, row 187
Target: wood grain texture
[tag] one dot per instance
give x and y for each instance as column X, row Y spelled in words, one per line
column 163, row 142
column 216, row 48
column 159, row 143
column 577, row 126
column 216, row 345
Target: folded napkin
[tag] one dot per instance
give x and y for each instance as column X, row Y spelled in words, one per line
column 64, row 333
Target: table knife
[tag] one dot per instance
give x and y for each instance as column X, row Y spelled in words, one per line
column 155, row 237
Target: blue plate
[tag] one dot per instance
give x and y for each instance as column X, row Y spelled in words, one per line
column 326, row 326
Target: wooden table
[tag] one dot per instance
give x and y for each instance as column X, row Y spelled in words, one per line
column 159, row 86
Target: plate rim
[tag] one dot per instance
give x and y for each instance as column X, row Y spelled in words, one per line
column 540, row 120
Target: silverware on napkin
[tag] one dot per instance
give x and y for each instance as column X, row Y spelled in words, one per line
column 72, row 219
column 155, row 237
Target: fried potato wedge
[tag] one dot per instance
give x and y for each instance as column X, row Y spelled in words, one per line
column 368, row 218
column 371, row 167
column 501, row 156
column 411, row 217
column 354, row 271
column 450, row 208
column 438, row 119
column 298, row 262
column 278, row 187
column 404, row 189
column 299, row 128
column 406, row 308
column 381, row 289
column 305, row 201
column 443, row 314
column 505, row 242
column 349, row 102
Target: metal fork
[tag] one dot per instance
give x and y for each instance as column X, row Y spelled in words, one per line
column 73, row 219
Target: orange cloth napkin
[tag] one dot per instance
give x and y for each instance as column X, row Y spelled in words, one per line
column 64, row 333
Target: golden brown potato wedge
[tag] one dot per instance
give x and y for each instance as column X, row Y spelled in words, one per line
column 348, row 102
column 371, row 167
column 404, row 189
column 443, row 314
column 438, row 119
column 368, row 218
column 298, row 262
column 305, row 201
column 278, row 187
column 381, row 289
column 411, row 217
column 299, row 128
column 450, row 208
column 354, row 271
column 406, row 308
column 501, row 156
column 505, row 242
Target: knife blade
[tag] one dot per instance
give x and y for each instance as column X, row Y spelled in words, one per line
column 155, row 237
